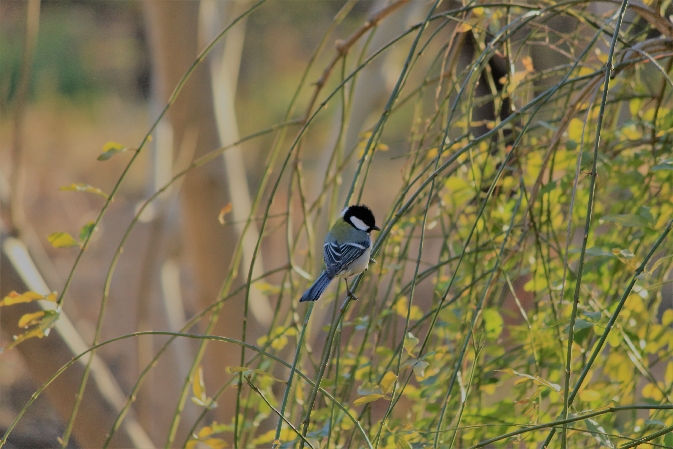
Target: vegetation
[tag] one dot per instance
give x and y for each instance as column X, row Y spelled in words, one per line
column 519, row 291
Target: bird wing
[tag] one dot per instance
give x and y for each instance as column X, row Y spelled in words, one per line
column 339, row 256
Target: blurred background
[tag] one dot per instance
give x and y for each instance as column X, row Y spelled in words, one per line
column 196, row 152
column 76, row 75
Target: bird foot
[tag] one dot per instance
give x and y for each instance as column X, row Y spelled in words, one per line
column 351, row 294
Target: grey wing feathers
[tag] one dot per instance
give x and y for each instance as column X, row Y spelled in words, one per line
column 338, row 257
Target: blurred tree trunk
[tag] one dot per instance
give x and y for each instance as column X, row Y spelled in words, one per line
column 209, row 246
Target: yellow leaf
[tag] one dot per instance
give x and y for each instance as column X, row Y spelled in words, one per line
column 85, row 188
column 198, row 386
column 205, row 432
column 16, row 298
column 589, row 395
column 51, row 297
column 110, row 149
column 367, row 399
column 215, row 443
column 667, row 318
column 62, row 240
column 30, row 319
column 463, row 27
column 388, row 382
column 527, row 62
column 575, row 129
column 224, row 211
column 668, row 377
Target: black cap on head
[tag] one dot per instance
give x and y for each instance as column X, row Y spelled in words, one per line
column 361, row 217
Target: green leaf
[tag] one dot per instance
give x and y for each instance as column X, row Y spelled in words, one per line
column 86, row 231
column 598, row 432
column 368, row 388
column 662, row 167
column 646, row 213
column 401, row 443
column 668, row 439
column 419, row 368
column 85, row 188
column 62, row 240
column 595, row 316
column 596, row 251
column 110, row 149
column 629, row 220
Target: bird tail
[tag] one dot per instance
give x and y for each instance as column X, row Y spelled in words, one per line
column 319, row 286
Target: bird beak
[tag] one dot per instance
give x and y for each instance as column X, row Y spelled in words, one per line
column 375, row 228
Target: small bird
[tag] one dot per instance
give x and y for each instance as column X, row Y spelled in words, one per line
column 346, row 250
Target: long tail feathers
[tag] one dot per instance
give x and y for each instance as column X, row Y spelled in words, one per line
column 319, row 286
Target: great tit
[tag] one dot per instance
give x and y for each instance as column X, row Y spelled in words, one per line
column 346, row 250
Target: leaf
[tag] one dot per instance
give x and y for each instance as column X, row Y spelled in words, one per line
column 662, row 167
column 16, row 298
column 388, row 382
column 367, row 399
column 493, row 323
column 368, row 388
column 85, row 188
column 598, row 432
column 224, row 211
column 419, row 367
column 596, row 251
column 410, row 341
column 646, row 213
column 110, row 149
column 215, row 443
column 589, row 395
column 62, row 240
column 41, row 329
column 238, row 369
column 401, row 443
column 668, row 439
column 198, row 387
column 527, row 62
column 628, row 220
column 538, row 380
column 86, row 231
column 667, row 317
column 30, row 319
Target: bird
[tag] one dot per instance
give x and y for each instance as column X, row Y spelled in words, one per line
column 346, row 251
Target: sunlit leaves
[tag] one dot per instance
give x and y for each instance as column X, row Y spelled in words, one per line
column 110, row 149
column 85, row 188
column 205, row 437
column 199, row 390
column 18, row 298
column 493, row 323
column 37, row 324
column 62, row 240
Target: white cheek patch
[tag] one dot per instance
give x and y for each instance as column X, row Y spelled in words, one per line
column 343, row 212
column 359, row 224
